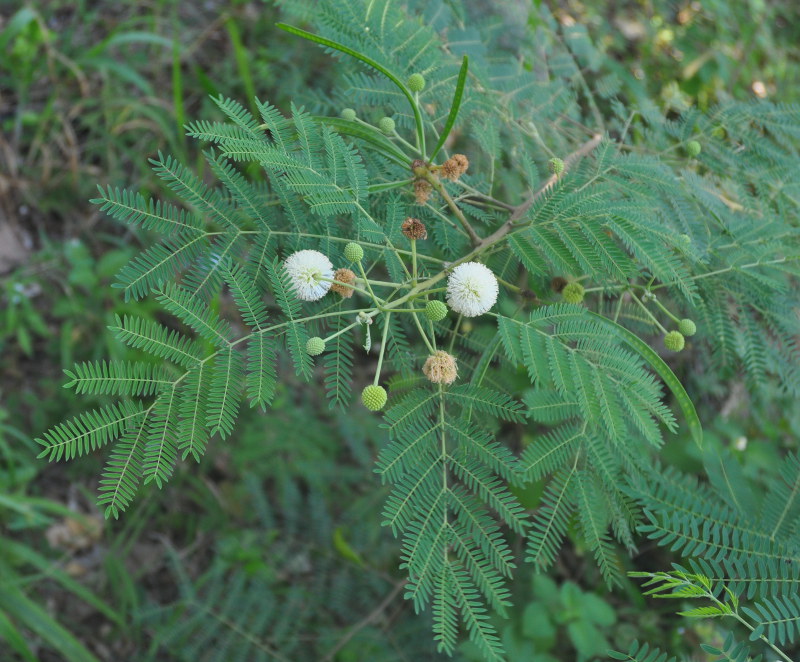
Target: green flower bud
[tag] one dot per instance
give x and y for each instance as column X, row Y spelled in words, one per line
column 435, row 310
column 687, row 327
column 693, row 148
column 373, row 397
column 386, row 125
column 573, row 293
column 556, row 166
column 674, row 341
column 315, row 346
column 353, row 252
column 416, row 82
column 685, row 238
column 348, row 114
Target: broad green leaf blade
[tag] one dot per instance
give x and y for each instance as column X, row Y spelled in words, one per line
column 454, row 107
column 663, row 371
column 369, row 62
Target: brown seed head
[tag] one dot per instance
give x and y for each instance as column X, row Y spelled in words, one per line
column 462, row 162
column 441, row 368
column 422, row 191
column 343, row 276
column 413, row 228
column 558, row 284
column 450, row 170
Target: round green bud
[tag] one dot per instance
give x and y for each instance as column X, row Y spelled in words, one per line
column 674, row 341
column 386, row 125
column 315, row 346
column 685, row 238
column 687, row 327
column 373, row 397
column 348, row 114
column 693, row 148
column 573, row 293
column 416, row 82
column 353, row 252
column 556, row 166
column 435, row 310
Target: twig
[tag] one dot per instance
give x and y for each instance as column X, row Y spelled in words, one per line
column 521, row 209
column 364, row 622
column 437, row 184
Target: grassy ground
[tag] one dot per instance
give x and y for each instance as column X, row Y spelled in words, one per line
column 88, row 91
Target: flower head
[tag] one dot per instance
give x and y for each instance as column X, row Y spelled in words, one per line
column 422, row 191
column 386, row 125
column 308, row 271
column 353, row 252
column 687, row 327
column 343, row 276
column 471, row 289
column 435, row 310
column 440, row 368
column 373, row 397
column 413, row 228
column 416, row 82
column 573, row 292
column 315, row 346
column 674, row 341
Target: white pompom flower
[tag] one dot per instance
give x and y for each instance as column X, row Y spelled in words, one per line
column 310, row 274
column 471, row 289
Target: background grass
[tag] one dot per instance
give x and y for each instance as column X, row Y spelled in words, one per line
column 269, row 521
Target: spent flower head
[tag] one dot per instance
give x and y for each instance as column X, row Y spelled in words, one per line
column 441, row 368
column 345, row 278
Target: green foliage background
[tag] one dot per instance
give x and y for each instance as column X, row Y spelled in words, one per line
column 272, row 547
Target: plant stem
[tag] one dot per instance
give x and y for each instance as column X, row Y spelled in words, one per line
column 422, row 334
column 383, row 348
column 437, row 184
column 413, row 262
column 667, row 312
column 648, row 313
column 340, row 332
column 369, row 287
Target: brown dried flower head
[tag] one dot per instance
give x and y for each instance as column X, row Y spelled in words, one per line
column 462, row 162
column 455, row 166
column 343, row 276
column 441, row 368
column 558, row 284
column 422, row 191
column 413, row 228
